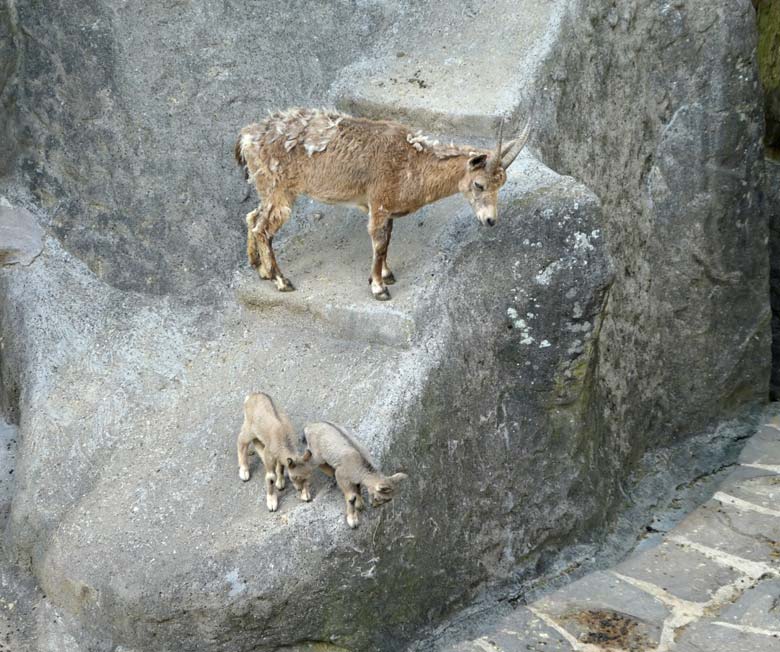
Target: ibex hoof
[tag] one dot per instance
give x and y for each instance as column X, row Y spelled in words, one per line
column 352, row 520
column 283, row 285
column 384, row 295
column 243, row 474
column 389, row 279
column 272, row 502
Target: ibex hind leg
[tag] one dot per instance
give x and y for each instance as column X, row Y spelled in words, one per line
column 273, row 217
column 252, row 249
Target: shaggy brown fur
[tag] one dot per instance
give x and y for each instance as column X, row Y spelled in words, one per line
column 381, row 167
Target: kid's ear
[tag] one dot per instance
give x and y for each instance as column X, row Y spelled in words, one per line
column 307, row 455
column 398, row 477
column 478, row 162
column 290, row 463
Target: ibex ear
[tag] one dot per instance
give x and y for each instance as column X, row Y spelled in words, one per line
column 478, row 162
column 290, row 463
column 398, row 477
column 307, row 455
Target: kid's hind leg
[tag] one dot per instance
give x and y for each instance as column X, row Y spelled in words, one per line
column 279, row 476
column 242, row 443
column 272, row 219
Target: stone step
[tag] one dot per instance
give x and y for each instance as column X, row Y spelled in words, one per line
column 475, row 70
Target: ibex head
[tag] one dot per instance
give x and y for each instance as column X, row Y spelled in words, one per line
column 385, row 489
column 486, row 173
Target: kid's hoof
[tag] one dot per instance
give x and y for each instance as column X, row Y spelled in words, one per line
column 272, row 503
column 306, row 496
column 243, row 474
column 384, row 295
column 389, row 279
column 280, row 485
column 352, row 521
column 360, row 505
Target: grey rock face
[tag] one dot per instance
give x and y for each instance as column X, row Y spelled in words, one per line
column 142, row 475
column 516, row 375
column 9, row 57
column 660, row 115
column 21, row 239
column 772, row 199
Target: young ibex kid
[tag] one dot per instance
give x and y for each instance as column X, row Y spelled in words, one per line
column 338, row 453
column 272, row 434
column 381, row 167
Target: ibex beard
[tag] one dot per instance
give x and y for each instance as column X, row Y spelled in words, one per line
column 381, row 167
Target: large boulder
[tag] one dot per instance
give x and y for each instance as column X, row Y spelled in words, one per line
column 128, row 507
column 517, row 375
column 655, row 106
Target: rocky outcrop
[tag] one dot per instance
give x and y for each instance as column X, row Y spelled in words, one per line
column 9, row 59
column 517, row 375
column 21, row 239
column 769, row 70
column 654, row 106
column 495, row 373
column 773, row 202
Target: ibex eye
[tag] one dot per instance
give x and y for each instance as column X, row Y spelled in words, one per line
column 479, row 186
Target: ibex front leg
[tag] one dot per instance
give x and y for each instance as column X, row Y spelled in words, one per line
column 387, row 275
column 379, row 229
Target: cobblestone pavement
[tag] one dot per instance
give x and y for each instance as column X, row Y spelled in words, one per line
column 712, row 584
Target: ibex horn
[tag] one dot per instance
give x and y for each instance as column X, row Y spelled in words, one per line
column 516, row 146
column 496, row 158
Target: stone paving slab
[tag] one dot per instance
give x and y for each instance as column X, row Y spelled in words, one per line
column 680, row 570
column 758, row 607
column 762, row 448
column 763, row 491
column 522, row 631
column 712, row 583
column 706, row 637
column 711, row 523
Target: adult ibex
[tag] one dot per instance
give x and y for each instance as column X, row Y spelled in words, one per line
column 381, row 167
